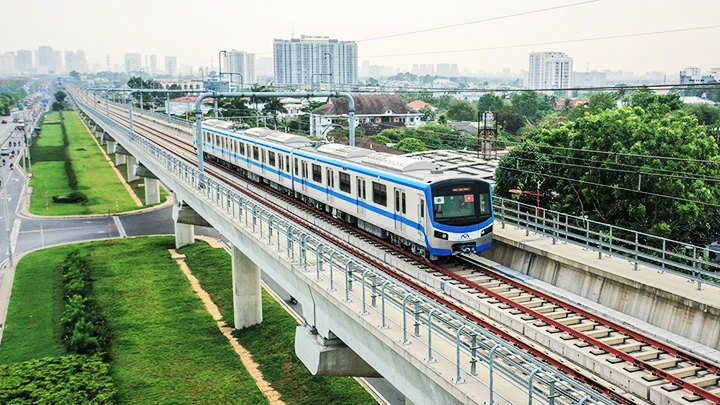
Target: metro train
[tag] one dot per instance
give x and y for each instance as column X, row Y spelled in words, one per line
column 403, row 199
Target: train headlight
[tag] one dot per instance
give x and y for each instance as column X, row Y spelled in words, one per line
column 441, row 235
column 486, row 230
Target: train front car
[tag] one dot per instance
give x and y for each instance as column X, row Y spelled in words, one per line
column 461, row 216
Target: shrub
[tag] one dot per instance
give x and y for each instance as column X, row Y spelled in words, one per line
column 72, row 198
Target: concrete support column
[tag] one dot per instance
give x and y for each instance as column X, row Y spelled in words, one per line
column 184, row 235
column 110, row 147
column 119, row 159
column 247, row 299
column 131, row 162
column 152, row 191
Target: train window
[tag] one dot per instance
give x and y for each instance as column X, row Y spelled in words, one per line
column 422, row 208
column 297, row 171
column 317, row 173
column 218, row 139
column 403, row 204
column 304, row 170
column 271, row 158
column 262, row 155
column 361, row 188
column 287, row 162
column 329, row 178
column 344, row 182
column 256, row 153
column 242, row 148
column 397, row 200
column 379, row 194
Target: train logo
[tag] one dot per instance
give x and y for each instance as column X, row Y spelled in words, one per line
column 465, row 236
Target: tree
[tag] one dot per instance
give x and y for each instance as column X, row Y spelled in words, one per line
column 490, row 102
column 380, row 139
column 461, row 110
column 645, row 97
column 510, row 120
column 60, row 96
column 274, row 107
column 75, row 75
column 527, row 103
column 706, row 114
column 428, row 114
column 57, row 106
column 600, row 170
column 601, row 101
column 442, row 119
column 410, row 145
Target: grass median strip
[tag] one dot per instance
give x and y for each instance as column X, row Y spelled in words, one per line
column 95, row 178
column 165, row 347
column 272, row 342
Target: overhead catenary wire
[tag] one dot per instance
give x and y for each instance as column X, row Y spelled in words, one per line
column 502, row 17
column 565, row 41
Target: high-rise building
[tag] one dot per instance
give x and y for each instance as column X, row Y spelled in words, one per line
column 57, row 65
column 589, row 79
column 426, row 69
column 443, row 69
column 7, row 63
column 239, row 62
column 550, row 70
column 24, row 61
column 415, row 69
column 133, row 62
column 171, row 66
column 153, row 64
column 75, row 61
column 44, row 58
column 310, row 60
column 264, row 67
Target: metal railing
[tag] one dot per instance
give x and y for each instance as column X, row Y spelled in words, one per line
column 422, row 320
column 665, row 255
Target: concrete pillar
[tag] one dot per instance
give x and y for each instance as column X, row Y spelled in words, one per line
column 110, row 147
column 329, row 356
column 152, row 191
column 131, row 162
column 184, row 235
column 119, row 159
column 247, row 298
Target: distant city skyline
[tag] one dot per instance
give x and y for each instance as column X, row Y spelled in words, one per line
column 669, row 53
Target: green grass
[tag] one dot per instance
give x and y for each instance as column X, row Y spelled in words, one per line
column 32, row 327
column 166, row 349
column 138, row 186
column 94, row 174
column 272, row 342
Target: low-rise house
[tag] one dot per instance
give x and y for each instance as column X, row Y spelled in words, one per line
column 418, row 105
column 377, row 110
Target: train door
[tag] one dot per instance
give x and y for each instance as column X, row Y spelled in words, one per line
column 400, row 210
column 262, row 161
column 421, row 215
column 304, row 167
column 360, row 195
column 330, row 184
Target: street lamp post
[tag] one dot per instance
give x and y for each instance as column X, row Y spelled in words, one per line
column 142, row 70
column 220, row 63
column 533, row 193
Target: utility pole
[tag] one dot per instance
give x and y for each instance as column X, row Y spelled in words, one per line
column 487, row 135
column 3, row 184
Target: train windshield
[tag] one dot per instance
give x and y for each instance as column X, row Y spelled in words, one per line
column 461, row 203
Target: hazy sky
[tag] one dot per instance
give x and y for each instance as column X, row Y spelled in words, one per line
column 194, row 31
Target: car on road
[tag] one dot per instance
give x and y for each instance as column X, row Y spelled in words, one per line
column 4, row 121
column 4, row 152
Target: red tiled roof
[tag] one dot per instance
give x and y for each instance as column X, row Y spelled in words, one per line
column 419, row 105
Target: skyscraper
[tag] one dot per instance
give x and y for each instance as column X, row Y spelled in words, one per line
column 171, row 65
column 75, row 61
column 239, row 62
column 550, row 70
column 24, row 61
column 133, row 62
column 45, row 58
column 153, row 64
column 57, row 65
column 7, row 63
column 310, row 60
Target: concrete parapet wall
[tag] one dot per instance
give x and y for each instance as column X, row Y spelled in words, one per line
column 686, row 315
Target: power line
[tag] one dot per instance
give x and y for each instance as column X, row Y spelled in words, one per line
column 503, row 17
column 567, row 41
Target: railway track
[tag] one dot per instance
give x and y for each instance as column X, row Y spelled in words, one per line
column 653, row 362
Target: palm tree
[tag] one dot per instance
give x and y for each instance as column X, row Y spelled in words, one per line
column 274, row 106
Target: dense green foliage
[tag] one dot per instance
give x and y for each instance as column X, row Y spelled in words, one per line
column 607, row 165
column 432, row 135
column 410, row 145
column 71, row 379
column 461, row 110
column 85, row 328
column 9, row 99
column 271, row 342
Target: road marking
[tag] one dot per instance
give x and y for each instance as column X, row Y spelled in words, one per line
column 14, row 234
column 119, row 226
column 64, row 229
